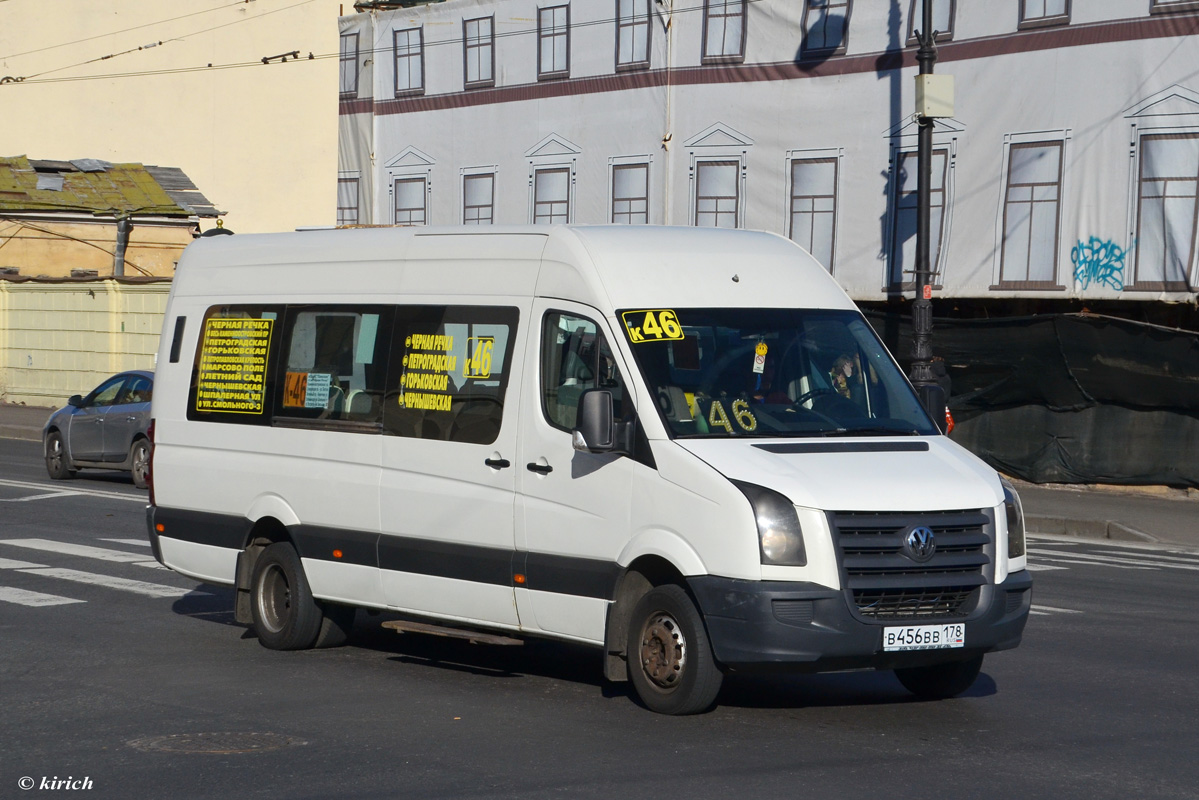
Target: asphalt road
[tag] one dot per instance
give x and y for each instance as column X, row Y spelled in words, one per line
column 145, row 687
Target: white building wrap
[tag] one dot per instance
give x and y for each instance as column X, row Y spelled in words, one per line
column 1069, row 170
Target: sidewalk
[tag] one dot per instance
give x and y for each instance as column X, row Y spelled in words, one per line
column 1148, row 514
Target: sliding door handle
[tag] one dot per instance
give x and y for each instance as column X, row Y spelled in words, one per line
column 540, row 469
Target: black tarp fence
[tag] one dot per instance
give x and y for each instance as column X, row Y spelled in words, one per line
column 1069, row 398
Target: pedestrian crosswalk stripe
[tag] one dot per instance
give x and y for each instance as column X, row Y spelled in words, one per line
column 12, row 563
column 1130, row 562
column 48, row 496
column 49, row 487
column 123, row 584
column 24, row 597
column 1043, row 567
column 86, row 551
column 1054, row 609
column 138, row 542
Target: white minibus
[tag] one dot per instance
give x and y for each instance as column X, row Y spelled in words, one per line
column 685, row 447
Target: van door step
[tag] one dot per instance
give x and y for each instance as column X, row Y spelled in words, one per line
column 474, row 637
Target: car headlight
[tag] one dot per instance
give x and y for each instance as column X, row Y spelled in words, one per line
column 780, row 538
column 1015, row 520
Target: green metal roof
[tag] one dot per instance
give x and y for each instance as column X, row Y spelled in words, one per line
column 100, row 188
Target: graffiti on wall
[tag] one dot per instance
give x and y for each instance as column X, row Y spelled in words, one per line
column 1099, row 262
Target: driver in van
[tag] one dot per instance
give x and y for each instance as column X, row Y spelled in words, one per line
column 840, row 375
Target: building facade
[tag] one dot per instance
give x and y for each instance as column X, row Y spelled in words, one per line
column 239, row 95
column 1069, row 170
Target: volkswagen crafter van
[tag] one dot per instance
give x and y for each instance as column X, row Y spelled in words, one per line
column 685, row 447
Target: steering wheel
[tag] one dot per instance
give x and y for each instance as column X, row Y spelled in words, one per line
column 819, row 391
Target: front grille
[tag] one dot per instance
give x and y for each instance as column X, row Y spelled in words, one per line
column 885, row 583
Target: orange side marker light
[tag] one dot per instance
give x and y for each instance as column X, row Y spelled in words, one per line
column 518, row 578
column 337, row 554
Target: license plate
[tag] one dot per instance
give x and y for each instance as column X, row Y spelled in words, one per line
column 924, row 637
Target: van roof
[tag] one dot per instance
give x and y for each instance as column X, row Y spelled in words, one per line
column 607, row 266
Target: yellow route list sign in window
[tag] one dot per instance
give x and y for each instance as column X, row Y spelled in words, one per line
column 232, row 375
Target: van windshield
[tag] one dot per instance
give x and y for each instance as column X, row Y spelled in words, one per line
column 721, row 372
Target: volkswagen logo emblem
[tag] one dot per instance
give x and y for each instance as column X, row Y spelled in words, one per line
column 920, row 544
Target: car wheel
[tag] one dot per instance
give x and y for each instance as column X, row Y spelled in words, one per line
column 670, row 658
column 940, row 681
column 57, row 463
column 139, row 460
column 286, row 617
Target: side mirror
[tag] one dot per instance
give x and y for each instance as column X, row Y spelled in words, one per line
column 594, row 430
column 932, row 397
column 75, row 400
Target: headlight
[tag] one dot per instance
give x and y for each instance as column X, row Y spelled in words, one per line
column 780, row 538
column 1015, row 520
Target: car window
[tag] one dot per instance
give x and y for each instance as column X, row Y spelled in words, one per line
column 106, row 393
column 575, row 357
column 137, row 390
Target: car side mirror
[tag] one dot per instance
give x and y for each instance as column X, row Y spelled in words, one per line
column 594, row 430
column 75, row 400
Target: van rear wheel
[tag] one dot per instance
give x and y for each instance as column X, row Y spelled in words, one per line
column 670, row 658
column 940, row 681
column 286, row 617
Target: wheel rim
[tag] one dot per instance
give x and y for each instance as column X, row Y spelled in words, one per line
column 141, row 462
column 663, row 651
column 274, row 599
column 54, row 452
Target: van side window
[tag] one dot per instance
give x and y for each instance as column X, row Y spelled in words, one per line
column 334, row 363
column 575, row 357
column 449, row 372
column 232, row 376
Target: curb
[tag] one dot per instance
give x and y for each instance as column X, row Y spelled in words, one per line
column 1086, row 529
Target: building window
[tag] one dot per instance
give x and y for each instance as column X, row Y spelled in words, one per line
column 630, row 194
column 551, row 196
column 347, row 201
column 1030, row 216
column 717, row 193
column 1166, row 205
column 724, row 31
column 825, row 26
column 410, row 201
column 944, row 12
column 553, row 42
column 1041, row 13
column 479, row 38
column 814, row 207
column 478, row 198
column 1169, row 6
column 349, row 65
column 632, row 34
column 903, row 241
column 409, row 62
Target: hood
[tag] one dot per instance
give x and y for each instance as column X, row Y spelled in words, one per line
column 894, row 474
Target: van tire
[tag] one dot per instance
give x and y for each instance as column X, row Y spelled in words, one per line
column 336, row 625
column 669, row 655
column 940, row 681
column 286, row 617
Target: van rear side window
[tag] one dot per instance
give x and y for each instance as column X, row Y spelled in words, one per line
column 335, row 363
column 231, row 376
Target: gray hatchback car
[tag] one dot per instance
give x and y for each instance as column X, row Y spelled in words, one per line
column 104, row 430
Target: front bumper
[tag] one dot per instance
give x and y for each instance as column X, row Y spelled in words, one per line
column 810, row 628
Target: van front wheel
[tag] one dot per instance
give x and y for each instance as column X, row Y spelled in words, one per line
column 670, row 658
column 286, row 617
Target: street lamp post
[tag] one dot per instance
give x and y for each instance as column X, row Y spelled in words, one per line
column 934, row 98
